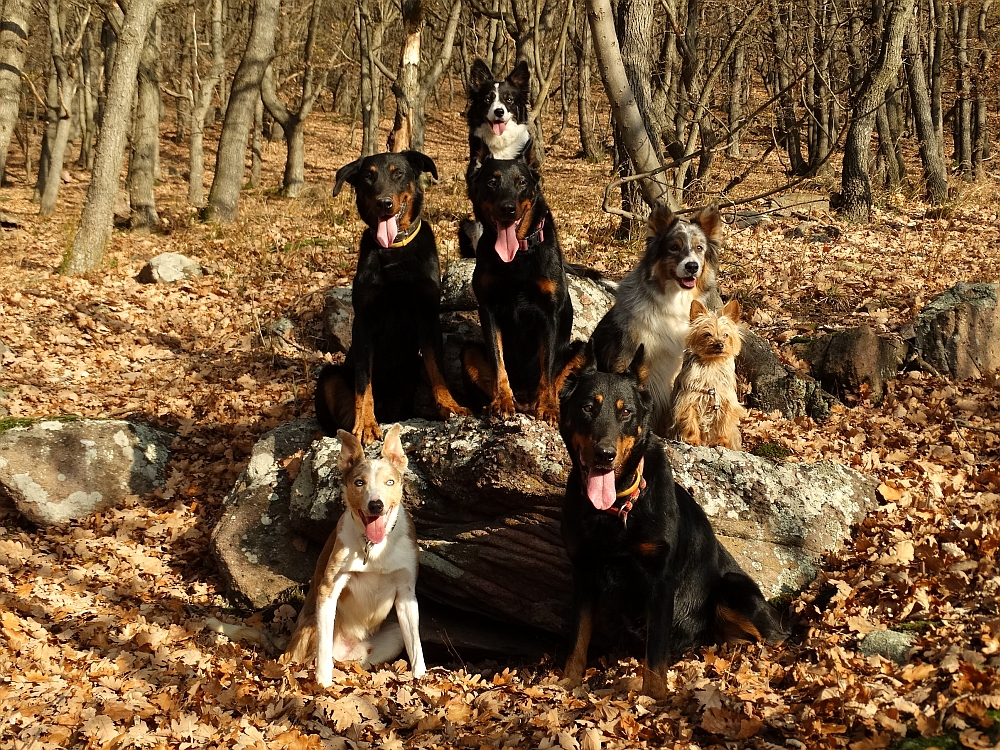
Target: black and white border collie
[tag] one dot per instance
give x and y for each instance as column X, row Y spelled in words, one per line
column 498, row 111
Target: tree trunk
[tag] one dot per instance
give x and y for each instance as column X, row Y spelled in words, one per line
column 257, row 143
column 88, row 123
column 931, row 149
column 887, row 151
column 52, row 111
column 789, row 135
column 734, row 106
column 936, row 57
column 230, row 163
column 981, row 83
column 200, row 96
column 407, row 82
column 13, row 49
column 145, row 136
column 371, row 27
column 432, row 77
column 592, row 150
column 962, row 122
column 638, row 142
column 92, row 237
column 856, row 188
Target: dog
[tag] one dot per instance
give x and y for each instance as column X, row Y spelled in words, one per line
column 520, row 285
column 705, row 406
column 368, row 564
column 640, row 546
column 396, row 297
column 653, row 302
column 498, row 111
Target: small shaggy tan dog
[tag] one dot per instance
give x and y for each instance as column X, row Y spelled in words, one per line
column 705, row 406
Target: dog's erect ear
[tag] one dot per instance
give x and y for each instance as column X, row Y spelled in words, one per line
column 351, row 452
column 479, row 74
column 530, row 157
column 566, row 379
column 421, row 162
column 660, row 220
column 392, row 449
column 697, row 309
column 639, row 370
column 520, row 75
column 710, row 221
column 732, row 310
column 347, row 173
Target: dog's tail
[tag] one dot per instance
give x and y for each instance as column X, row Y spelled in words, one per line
column 741, row 612
column 581, row 271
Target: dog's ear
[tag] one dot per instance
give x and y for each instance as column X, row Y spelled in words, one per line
column 351, row 452
column 639, row 370
column 710, row 221
column 697, row 309
column 479, row 74
column 530, row 157
column 520, row 75
column 392, row 449
column 479, row 156
column 347, row 173
column 732, row 310
column 660, row 220
column 420, row 162
column 566, row 380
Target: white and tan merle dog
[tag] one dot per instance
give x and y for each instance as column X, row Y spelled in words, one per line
column 653, row 303
column 368, row 565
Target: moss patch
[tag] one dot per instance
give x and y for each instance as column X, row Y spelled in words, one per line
column 948, row 742
column 772, row 451
column 916, row 626
column 9, row 423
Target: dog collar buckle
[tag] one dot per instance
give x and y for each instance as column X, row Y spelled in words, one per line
column 631, row 494
column 523, row 244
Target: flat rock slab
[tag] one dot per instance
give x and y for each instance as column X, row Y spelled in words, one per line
column 958, row 333
column 167, row 268
column 486, row 498
column 55, row 472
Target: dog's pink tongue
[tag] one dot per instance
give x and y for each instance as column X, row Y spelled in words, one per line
column 601, row 488
column 499, row 127
column 506, row 246
column 386, row 232
column 375, row 530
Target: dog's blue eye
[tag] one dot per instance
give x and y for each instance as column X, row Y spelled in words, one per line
column 390, row 481
column 359, row 482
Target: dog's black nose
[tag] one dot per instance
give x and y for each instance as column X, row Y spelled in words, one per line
column 375, row 507
column 508, row 209
column 498, row 112
column 605, row 454
column 384, row 203
column 692, row 267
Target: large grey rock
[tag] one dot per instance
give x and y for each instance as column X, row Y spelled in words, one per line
column 486, row 500
column 888, row 644
column 845, row 361
column 775, row 387
column 167, row 268
column 338, row 318
column 260, row 556
column 54, row 472
column 958, row 333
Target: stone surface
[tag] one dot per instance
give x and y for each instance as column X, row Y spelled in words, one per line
column 774, row 387
column 958, row 333
column 486, row 499
column 261, row 558
column 167, row 268
column 845, row 361
column 888, row 644
column 55, row 472
column 338, row 318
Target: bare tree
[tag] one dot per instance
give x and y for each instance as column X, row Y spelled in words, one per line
column 931, row 148
column 14, row 18
column 145, row 136
column 92, row 237
column 230, row 162
column 199, row 94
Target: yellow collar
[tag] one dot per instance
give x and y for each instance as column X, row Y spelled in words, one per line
column 414, row 228
column 632, row 492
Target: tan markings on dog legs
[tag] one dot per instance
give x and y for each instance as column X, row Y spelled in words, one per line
column 503, row 399
column 546, row 286
column 365, row 426
column 446, row 403
column 547, row 405
column 577, row 662
column 301, row 648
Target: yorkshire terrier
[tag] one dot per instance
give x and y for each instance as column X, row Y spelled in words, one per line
column 704, row 404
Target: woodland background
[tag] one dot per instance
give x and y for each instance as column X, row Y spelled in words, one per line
column 887, row 108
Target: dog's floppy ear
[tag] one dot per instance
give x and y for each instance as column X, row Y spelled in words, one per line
column 732, row 310
column 660, row 220
column 639, row 370
column 347, row 173
column 351, row 452
column 421, row 162
column 698, row 309
column 520, row 75
column 710, row 221
column 479, row 74
column 392, row 449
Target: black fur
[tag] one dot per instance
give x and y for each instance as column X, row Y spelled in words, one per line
column 664, row 563
column 396, row 298
column 525, row 300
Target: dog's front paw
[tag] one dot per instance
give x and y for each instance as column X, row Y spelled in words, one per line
column 447, row 411
column 419, row 670
column 547, row 413
column 324, row 674
column 502, row 406
column 367, row 432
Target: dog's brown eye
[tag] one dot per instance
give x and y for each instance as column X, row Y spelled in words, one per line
column 508, row 99
column 588, row 408
column 626, row 412
column 390, row 481
column 359, row 482
column 492, row 183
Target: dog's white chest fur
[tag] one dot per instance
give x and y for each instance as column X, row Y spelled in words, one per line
column 507, row 146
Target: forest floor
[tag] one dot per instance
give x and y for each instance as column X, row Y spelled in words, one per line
column 103, row 643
